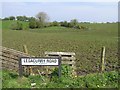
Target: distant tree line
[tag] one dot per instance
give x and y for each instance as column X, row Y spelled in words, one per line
column 20, row 18
column 41, row 21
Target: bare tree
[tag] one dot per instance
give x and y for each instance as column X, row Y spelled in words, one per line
column 42, row 17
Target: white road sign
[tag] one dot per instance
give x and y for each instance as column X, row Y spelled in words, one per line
column 40, row 61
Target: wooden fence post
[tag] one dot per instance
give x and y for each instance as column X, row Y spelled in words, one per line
column 103, row 59
column 26, row 51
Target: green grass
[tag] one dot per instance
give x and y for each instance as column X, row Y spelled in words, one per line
column 97, row 80
column 0, row 24
column 85, row 43
column 7, row 24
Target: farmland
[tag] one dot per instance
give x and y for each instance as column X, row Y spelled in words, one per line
column 85, row 43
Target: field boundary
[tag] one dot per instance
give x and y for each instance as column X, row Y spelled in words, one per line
column 10, row 58
column 10, row 61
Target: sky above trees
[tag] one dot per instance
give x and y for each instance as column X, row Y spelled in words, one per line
column 60, row 11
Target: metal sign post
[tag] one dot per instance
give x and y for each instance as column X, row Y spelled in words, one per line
column 59, row 68
column 20, row 68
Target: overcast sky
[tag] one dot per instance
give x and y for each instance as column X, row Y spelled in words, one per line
column 60, row 11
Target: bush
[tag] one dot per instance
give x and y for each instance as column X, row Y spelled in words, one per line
column 39, row 24
column 32, row 24
column 36, row 24
column 55, row 23
column 70, row 25
column 64, row 24
column 16, row 26
column 12, row 18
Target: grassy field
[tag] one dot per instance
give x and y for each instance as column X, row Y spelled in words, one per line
column 85, row 43
column 7, row 24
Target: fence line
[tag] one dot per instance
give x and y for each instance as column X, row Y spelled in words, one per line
column 10, row 58
column 10, row 61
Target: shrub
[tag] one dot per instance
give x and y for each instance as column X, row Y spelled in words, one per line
column 16, row 26
column 39, row 24
column 55, row 23
column 12, row 18
column 32, row 24
column 6, row 18
column 78, row 27
column 70, row 25
column 64, row 24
